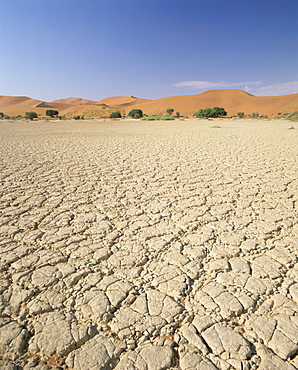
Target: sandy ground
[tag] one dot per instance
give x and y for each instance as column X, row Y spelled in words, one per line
column 149, row 245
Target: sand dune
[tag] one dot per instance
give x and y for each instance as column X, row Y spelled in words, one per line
column 231, row 99
column 56, row 106
column 73, row 101
column 121, row 100
column 18, row 101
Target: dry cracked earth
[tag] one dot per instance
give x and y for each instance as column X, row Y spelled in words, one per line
column 147, row 246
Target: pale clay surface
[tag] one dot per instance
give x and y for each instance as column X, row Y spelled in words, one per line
column 147, row 246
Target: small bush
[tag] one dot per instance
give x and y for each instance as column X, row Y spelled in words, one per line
column 115, row 114
column 255, row 115
column 158, row 118
column 170, row 111
column 240, row 114
column 136, row 113
column 77, row 117
column 293, row 116
column 210, row 113
column 1, row 114
column 51, row 113
column 31, row 115
column 177, row 114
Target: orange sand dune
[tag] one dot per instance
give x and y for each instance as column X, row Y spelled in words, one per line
column 231, row 99
column 73, row 101
column 116, row 101
column 57, row 106
column 105, row 106
column 88, row 110
column 18, row 101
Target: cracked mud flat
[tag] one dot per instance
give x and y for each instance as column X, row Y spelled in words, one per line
column 132, row 245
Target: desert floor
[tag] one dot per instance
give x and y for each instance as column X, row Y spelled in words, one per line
column 149, row 245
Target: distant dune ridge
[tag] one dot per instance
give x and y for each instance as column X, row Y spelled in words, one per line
column 74, row 101
column 232, row 100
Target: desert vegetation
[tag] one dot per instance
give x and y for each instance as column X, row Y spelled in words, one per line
column 210, row 112
column 31, row 115
column 293, row 116
column 115, row 114
column 136, row 113
column 170, row 111
column 52, row 113
column 158, row 118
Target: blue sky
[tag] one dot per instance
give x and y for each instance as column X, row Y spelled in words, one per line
column 51, row 49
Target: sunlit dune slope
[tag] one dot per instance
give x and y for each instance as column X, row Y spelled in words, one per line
column 73, row 101
column 117, row 101
column 57, row 106
column 18, row 101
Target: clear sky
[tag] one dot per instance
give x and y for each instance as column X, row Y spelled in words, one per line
column 51, row 49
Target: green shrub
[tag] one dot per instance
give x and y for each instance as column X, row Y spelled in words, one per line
column 77, row 117
column 31, row 115
column 210, row 113
column 240, row 114
column 218, row 111
column 158, row 118
column 115, row 114
column 177, row 114
column 136, row 113
column 51, row 113
column 1, row 114
column 282, row 115
column 170, row 111
column 293, row 116
column 255, row 115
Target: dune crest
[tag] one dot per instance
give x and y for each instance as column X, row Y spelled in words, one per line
column 73, row 101
column 18, row 101
column 121, row 100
